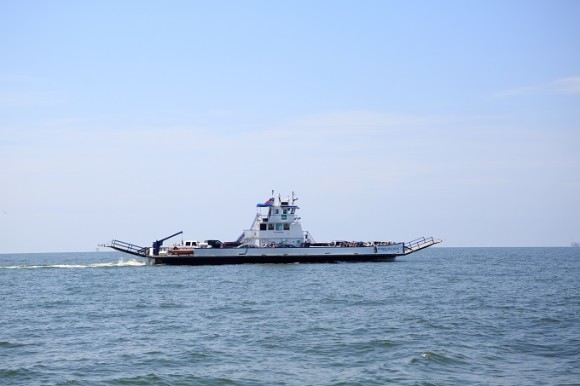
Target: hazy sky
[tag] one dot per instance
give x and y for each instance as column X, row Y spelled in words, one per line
column 389, row 119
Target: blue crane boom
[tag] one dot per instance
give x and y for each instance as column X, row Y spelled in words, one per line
column 158, row 243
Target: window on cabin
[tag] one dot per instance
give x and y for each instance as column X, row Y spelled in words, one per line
column 263, row 227
column 270, row 227
column 278, row 227
column 286, row 227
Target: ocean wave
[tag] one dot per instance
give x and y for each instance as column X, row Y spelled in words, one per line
column 4, row 344
column 440, row 359
column 120, row 263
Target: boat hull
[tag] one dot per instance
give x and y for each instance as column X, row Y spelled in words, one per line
column 281, row 256
column 223, row 260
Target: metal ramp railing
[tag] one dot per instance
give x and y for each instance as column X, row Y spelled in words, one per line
column 132, row 249
column 308, row 237
column 420, row 243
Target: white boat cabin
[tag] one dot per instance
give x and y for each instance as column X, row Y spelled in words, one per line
column 275, row 225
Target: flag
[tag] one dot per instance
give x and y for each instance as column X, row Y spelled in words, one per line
column 270, row 202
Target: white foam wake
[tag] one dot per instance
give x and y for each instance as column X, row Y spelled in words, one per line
column 120, row 263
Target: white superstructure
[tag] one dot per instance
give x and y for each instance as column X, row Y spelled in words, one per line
column 276, row 224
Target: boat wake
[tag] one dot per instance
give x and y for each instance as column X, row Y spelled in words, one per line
column 120, row 263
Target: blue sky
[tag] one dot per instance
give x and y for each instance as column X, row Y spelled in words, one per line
column 389, row 119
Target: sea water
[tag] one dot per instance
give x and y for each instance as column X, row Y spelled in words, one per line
column 442, row 316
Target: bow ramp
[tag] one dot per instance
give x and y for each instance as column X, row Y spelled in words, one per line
column 420, row 243
column 131, row 249
column 137, row 250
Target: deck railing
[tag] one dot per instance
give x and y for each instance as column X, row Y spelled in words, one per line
column 129, row 248
column 420, row 243
column 308, row 237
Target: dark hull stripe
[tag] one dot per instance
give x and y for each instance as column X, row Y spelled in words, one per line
column 221, row 260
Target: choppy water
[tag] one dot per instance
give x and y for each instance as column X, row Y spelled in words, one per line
column 443, row 316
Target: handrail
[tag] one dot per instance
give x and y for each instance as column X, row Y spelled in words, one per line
column 308, row 236
column 420, row 243
column 129, row 248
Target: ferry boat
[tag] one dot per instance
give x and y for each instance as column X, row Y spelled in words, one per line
column 276, row 236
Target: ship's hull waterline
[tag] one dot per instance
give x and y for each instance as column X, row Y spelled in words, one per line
column 275, row 256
